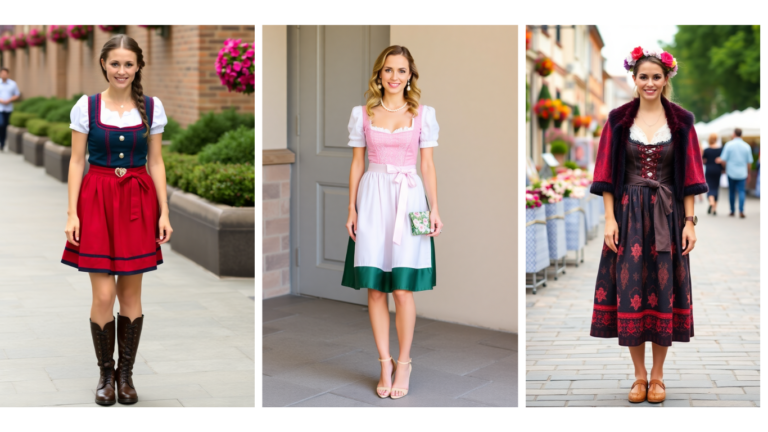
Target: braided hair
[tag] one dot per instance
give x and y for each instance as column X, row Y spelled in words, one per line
column 137, row 91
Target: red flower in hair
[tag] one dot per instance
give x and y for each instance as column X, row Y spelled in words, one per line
column 637, row 53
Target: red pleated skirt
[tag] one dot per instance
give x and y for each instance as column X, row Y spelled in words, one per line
column 118, row 223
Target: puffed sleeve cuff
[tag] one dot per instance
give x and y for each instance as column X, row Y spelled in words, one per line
column 696, row 189
column 599, row 187
column 429, row 128
column 355, row 127
column 78, row 116
column 159, row 119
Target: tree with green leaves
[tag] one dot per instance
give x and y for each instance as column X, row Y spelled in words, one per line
column 719, row 69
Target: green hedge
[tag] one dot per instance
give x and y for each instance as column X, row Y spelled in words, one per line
column 231, row 184
column 172, row 129
column 19, row 119
column 208, row 130
column 237, row 146
column 60, row 133
column 37, row 127
column 26, row 104
column 61, row 113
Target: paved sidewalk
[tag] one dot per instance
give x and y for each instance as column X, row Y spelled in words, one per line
column 719, row 367
column 197, row 346
column 320, row 353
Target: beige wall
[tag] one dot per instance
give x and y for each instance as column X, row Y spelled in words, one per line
column 469, row 75
column 274, row 87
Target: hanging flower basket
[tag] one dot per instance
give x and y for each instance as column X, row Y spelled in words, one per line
column 36, row 38
column 528, row 37
column 19, row 41
column 235, row 67
column 111, row 28
column 79, row 32
column 5, row 44
column 544, row 66
column 57, row 33
column 561, row 113
column 581, row 122
column 545, row 112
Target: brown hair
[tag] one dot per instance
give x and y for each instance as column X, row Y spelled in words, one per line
column 667, row 91
column 137, row 91
column 374, row 93
column 712, row 139
column 737, row 132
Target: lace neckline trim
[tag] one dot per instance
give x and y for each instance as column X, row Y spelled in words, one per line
column 662, row 135
column 387, row 131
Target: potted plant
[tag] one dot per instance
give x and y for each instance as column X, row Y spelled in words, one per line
column 560, row 113
column 79, row 32
column 19, row 41
column 235, row 67
column 544, row 66
column 112, row 28
column 36, row 38
column 57, row 33
column 559, row 150
column 6, row 44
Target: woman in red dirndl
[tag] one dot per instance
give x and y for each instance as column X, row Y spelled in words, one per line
column 648, row 170
column 118, row 212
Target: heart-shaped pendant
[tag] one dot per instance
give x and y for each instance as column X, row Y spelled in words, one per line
column 120, row 171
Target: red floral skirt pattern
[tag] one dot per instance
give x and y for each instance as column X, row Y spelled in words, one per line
column 643, row 295
column 118, row 223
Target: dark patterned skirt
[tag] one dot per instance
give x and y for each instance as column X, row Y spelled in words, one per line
column 643, row 295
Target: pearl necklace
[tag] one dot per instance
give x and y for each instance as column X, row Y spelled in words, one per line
column 392, row 110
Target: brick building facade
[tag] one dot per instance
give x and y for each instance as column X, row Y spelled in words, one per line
column 180, row 67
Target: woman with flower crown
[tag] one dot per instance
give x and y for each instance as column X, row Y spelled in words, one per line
column 384, row 253
column 648, row 170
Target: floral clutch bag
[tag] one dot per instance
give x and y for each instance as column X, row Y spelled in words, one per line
column 419, row 222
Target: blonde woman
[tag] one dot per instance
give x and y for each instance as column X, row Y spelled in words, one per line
column 383, row 254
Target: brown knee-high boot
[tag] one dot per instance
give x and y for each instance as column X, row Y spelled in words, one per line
column 104, row 344
column 128, row 334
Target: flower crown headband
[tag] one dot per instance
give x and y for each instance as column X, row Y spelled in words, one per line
column 669, row 62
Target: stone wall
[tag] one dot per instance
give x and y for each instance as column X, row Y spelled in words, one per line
column 276, row 243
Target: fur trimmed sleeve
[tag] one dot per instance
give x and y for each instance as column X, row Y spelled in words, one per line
column 602, row 178
column 695, row 183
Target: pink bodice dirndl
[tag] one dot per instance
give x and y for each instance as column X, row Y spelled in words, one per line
column 386, row 256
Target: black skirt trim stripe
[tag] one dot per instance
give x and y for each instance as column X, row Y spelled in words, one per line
column 111, row 272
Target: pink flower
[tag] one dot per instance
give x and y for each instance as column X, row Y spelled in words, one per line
column 237, row 66
column 667, row 59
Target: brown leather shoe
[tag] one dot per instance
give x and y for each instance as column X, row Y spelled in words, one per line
column 104, row 344
column 128, row 335
column 638, row 391
column 656, row 391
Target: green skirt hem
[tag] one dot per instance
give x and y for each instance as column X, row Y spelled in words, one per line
column 400, row 278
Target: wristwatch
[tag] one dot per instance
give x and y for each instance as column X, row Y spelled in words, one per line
column 693, row 219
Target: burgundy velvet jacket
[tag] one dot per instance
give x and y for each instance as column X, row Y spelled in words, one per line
column 611, row 158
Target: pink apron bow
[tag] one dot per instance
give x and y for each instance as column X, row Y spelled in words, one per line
column 403, row 173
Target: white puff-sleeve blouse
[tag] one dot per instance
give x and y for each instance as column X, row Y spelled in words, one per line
column 79, row 117
column 429, row 128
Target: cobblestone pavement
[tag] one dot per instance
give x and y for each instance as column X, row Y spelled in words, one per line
column 719, row 367
column 320, row 353
column 197, row 345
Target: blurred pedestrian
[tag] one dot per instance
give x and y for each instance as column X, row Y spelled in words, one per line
column 118, row 212
column 737, row 158
column 648, row 170
column 713, row 171
column 9, row 92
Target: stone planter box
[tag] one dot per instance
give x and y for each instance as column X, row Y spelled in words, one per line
column 33, row 148
column 218, row 237
column 56, row 160
column 13, row 138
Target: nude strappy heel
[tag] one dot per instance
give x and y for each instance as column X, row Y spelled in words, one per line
column 389, row 389
column 404, row 391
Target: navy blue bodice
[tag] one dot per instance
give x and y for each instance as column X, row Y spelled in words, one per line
column 112, row 146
